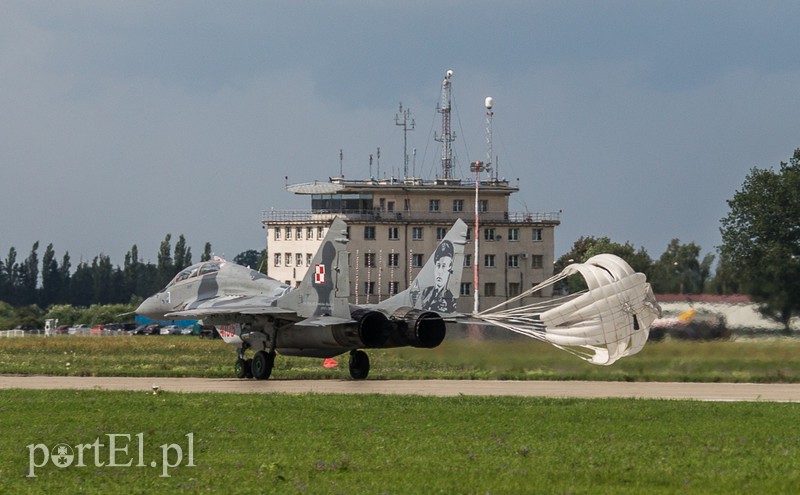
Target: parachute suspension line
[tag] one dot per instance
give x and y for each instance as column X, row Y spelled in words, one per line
column 608, row 321
column 550, row 281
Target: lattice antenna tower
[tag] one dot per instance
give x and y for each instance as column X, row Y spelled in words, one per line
column 447, row 136
column 407, row 126
column 489, row 103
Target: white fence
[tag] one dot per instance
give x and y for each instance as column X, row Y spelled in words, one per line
column 41, row 333
column 12, row 333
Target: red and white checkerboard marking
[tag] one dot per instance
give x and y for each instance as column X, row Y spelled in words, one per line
column 319, row 274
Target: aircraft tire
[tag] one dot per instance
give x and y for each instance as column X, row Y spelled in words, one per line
column 242, row 368
column 262, row 365
column 238, row 368
column 359, row 365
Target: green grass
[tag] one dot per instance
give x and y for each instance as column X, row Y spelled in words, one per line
column 278, row 443
column 398, row 444
column 755, row 360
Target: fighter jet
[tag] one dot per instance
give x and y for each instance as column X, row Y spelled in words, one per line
column 261, row 315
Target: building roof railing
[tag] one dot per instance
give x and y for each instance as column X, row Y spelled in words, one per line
column 339, row 185
column 377, row 215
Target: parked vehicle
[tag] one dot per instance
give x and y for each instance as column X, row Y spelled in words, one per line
column 79, row 329
column 171, row 330
column 149, row 329
column 120, row 327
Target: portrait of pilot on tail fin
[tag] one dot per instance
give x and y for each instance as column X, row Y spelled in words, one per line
column 438, row 297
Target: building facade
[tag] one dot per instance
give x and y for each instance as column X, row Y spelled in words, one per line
column 395, row 225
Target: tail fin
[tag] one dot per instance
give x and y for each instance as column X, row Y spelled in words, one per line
column 437, row 286
column 325, row 288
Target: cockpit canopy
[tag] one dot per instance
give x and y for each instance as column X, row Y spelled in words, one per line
column 196, row 270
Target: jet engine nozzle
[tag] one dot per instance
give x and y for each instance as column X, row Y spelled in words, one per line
column 419, row 328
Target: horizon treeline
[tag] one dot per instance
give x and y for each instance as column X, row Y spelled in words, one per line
column 28, row 282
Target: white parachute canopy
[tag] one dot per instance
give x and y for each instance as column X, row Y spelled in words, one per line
column 608, row 321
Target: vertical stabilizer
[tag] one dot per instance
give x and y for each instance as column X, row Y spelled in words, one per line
column 437, row 286
column 325, row 288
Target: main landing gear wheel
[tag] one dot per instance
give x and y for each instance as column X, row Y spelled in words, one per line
column 262, row 365
column 242, row 368
column 359, row 365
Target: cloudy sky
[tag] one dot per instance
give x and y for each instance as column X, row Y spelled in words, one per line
column 121, row 122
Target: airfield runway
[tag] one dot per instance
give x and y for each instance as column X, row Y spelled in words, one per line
column 440, row 388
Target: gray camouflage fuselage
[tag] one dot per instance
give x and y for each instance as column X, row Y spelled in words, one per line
column 315, row 319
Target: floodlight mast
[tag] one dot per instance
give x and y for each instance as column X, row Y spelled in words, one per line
column 479, row 167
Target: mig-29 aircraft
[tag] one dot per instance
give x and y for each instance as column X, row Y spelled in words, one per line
column 258, row 313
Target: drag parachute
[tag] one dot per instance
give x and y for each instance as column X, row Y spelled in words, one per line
column 609, row 320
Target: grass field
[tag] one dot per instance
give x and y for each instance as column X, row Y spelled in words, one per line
column 395, row 444
column 754, row 360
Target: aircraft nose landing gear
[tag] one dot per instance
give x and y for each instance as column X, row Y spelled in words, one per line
column 359, row 364
column 243, row 368
column 262, row 365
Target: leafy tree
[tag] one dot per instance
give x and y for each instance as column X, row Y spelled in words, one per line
column 29, row 315
column 248, row 258
column 183, row 255
column 148, row 281
column 102, row 271
column 680, row 271
column 64, row 275
column 761, row 238
column 81, row 285
column 8, row 319
column 64, row 313
column 100, row 282
column 725, row 280
column 263, row 264
column 28, row 276
column 131, row 270
column 165, row 268
column 9, row 277
column 107, row 313
column 206, row 256
column 51, row 278
column 3, row 284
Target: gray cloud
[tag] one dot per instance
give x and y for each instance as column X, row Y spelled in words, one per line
column 122, row 122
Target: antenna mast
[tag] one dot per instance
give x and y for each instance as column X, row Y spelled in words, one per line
column 489, row 103
column 447, row 136
column 406, row 127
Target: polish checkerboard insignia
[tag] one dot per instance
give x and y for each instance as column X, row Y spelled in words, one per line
column 319, row 274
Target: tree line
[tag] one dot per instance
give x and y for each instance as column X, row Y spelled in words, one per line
column 679, row 270
column 95, row 282
column 759, row 256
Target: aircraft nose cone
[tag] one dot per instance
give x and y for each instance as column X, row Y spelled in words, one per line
column 150, row 308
